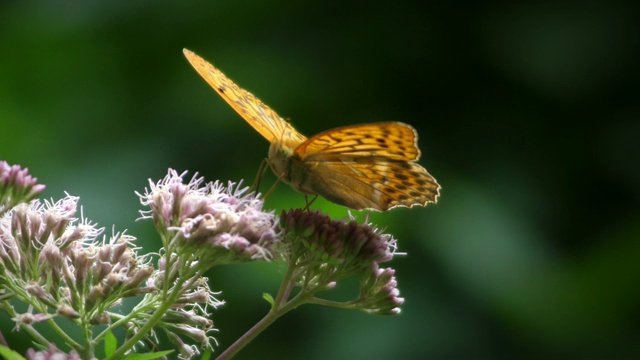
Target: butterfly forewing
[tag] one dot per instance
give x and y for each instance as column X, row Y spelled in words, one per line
column 254, row 111
column 391, row 140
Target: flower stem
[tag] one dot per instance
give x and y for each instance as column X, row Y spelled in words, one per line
column 280, row 307
column 250, row 335
column 88, row 351
column 336, row 304
column 28, row 328
column 167, row 302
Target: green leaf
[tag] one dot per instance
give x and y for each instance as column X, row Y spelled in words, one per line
column 268, row 297
column 110, row 344
column 148, row 356
column 10, row 354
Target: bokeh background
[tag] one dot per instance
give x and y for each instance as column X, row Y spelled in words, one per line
column 528, row 114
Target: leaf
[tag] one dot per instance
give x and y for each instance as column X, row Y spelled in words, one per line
column 10, row 354
column 110, row 344
column 269, row 298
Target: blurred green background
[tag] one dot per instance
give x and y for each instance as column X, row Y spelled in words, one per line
column 528, row 114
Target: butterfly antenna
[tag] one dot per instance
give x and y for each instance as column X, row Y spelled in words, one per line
column 261, row 170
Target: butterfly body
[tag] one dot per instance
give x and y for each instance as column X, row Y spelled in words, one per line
column 367, row 166
column 279, row 160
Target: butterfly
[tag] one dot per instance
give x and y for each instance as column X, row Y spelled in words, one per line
column 367, row 166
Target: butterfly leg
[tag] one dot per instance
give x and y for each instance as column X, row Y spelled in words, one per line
column 261, row 170
column 306, row 200
column 273, row 187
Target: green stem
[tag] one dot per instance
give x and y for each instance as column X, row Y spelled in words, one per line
column 157, row 315
column 337, row 304
column 285, row 289
column 36, row 335
column 280, row 307
column 121, row 321
column 160, row 310
column 88, row 350
column 28, row 328
column 245, row 339
column 67, row 339
column 21, row 294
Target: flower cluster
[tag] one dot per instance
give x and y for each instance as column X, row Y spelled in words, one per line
column 214, row 223
column 16, row 186
column 51, row 259
column 323, row 251
column 201, row 226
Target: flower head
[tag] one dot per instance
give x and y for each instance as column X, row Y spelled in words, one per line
column 35, row 237
column 16, row 186
column 215, row 223
column 379, row 293
column 328, row 250
column 48, row 251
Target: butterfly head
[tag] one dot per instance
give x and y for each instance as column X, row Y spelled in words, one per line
column 279, row 156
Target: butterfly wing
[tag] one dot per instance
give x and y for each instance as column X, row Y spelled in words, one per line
column 380, row 186
column 264, row 120
column 387, row 140
column 370, row 166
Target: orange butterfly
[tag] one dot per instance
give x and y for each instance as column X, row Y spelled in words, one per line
column 368, row 166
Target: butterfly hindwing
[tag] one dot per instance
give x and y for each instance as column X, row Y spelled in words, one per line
column 381, row 186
